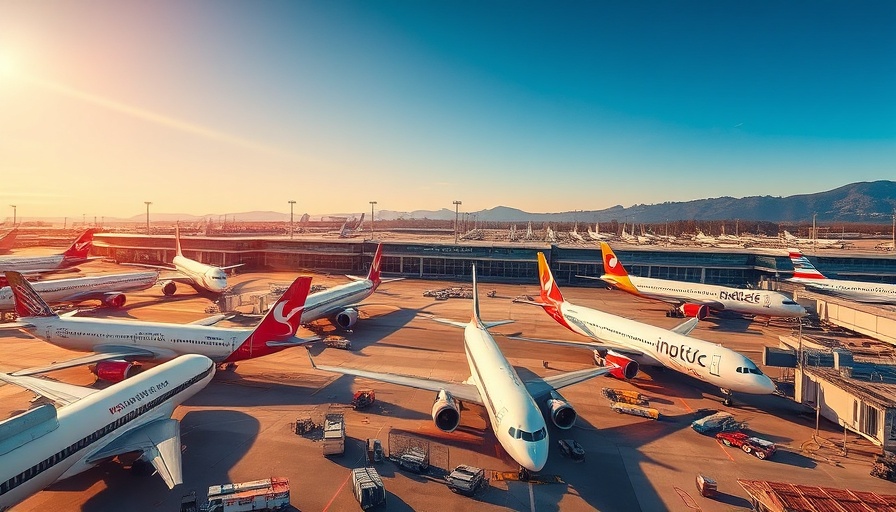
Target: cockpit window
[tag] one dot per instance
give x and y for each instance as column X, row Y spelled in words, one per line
column 789, row 303
column 754, row 370
column 532, row 436
column 512, row 432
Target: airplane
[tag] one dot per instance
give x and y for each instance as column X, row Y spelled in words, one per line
column 108, row 289
column 696, row 299
column 7, row 240
column 115, row 343
column 349, row 231
column 628, row 344
column 804, row 272
column 596, row 234
column 341, row 303
column 73, row 256
column 822, row 242
column 188, row 271
column 512, row 405
column 46, row 444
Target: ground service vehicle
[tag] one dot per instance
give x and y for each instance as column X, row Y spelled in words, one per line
column 757, row 446
column 334, row 434
column 368, row 487
column 374, row 451
column 572, row 449
column 363, row 398
column 267, row 494
column 465, row 479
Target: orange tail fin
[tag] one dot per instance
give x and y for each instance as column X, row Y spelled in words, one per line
column 614, row 272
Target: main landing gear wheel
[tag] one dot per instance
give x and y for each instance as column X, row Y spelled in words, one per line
column 727, row 400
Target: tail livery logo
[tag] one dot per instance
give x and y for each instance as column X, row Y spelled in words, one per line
column 285, row 320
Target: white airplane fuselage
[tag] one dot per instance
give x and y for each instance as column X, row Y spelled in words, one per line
column 860, row 291
column 325, row 303
column 164, row 340
column 84, row 427
column 506, row 399
column 62, row 290
column 209, row 277
column 703, row 360
column 28, row 263
column 752, row 302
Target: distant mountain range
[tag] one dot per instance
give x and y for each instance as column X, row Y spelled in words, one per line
column 872, row 202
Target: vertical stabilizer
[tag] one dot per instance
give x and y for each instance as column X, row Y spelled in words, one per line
column 28, row 303
column 280, row 323
column 373, row 275
column 82, row 245
column 550, row 293
column 177, row 251
column 476, row 319
column 802, row 267
column 614, row 272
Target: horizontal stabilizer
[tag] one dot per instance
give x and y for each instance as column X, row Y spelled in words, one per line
column 295, row 341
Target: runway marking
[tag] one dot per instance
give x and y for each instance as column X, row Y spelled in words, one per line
column 531, row 497
column 686, row 406
column 721, row 447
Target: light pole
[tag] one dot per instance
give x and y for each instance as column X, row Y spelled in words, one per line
column 13, row 215
column 147, row 203
column 456, row 207
column 291, row 203
column 372, row 228
column 814, row 232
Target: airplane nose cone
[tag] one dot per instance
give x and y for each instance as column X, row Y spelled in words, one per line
column 536, row 455
column 766, row 386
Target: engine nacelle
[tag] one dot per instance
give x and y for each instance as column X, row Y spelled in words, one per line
column 114, row 371
column 700, row 311
column 445, row 412
column 168, row 288
column 561, row 412
column 114, row 300
column 347, row 318
column 625, row 369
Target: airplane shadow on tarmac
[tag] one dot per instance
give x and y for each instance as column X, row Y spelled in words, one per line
column 204, row 463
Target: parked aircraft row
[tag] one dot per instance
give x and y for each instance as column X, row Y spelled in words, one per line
column 805, row 273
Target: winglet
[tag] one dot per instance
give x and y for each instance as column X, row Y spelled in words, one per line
column 81, row 246
column 28, row 303
column 802, row 267
column 614, row 272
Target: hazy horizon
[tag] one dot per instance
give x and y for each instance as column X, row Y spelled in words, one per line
column 213, row 107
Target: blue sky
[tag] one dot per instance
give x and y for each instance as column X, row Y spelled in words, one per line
column 227, row 106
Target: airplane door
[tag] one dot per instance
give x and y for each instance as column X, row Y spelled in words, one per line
column 714, row 366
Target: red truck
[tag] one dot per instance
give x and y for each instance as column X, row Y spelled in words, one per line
column 757, row 446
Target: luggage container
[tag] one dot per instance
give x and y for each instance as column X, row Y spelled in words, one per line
column 368, row 488
column 465, row 479
column 706, row 486
column 334, row 434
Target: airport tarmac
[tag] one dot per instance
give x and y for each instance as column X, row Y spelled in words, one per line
column 241, row 427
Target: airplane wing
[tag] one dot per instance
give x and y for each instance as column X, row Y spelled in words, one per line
column 160, row 443
column 463, row 325
column 541, row 387
column 104, row 355
column 146, row 265
column 228, row 267
column 686, row 327
column 628, row 351
column 461, row 391
column 212, row 320
column 59, row 392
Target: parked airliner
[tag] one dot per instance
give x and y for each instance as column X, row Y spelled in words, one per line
column 512, row 405
column 116, row 343
column 805, row 273
column 189, row 271
column 108, row 289
column 696, row 299
column 75, row 255
column 628, row 344
column 43, row 444
column 820, row 242
column 341, row 303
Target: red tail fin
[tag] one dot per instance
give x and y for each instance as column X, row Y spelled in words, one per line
column 550, row 293
column 82, row 245
column 28, row 302
column 374, row 273
column 280, row 323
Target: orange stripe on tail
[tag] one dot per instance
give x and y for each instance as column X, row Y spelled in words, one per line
column 614, row 272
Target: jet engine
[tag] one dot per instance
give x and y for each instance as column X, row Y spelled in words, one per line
column 625, row 369
column 446, row 412
column 114, row 371
column 347, row 318
column 561, row 412
column 168, row 288
column 694, row 310
column 114, row 300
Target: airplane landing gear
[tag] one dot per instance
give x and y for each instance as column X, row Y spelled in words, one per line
column 524, row 474
column 727, row 400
